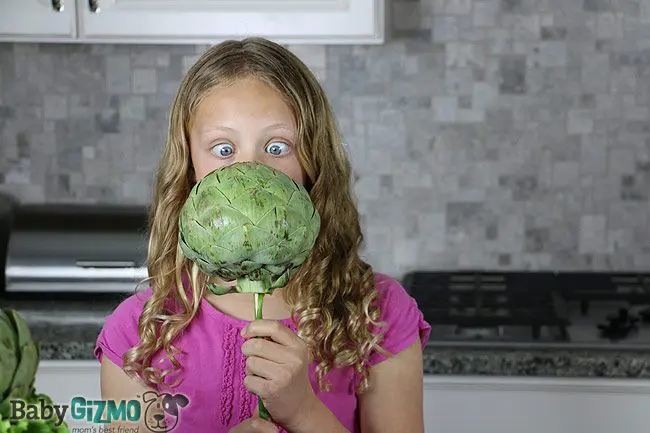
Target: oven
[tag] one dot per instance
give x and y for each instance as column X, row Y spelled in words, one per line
column 75, row 248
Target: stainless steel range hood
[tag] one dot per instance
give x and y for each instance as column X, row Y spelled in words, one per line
column 76, row 248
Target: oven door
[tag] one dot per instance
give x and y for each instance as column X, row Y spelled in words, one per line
column 76, row 248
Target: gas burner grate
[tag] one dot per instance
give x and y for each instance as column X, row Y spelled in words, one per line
column 483, row 300
column 633, row 288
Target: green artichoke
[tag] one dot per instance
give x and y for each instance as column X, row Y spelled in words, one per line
column 250, row 223
column 19, row 358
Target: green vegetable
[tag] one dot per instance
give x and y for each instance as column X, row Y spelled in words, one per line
column 250, row 223
column 19, row 358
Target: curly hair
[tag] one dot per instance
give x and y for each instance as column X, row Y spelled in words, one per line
column 332, row 297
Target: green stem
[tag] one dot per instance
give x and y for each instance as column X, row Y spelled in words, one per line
column 259, row 300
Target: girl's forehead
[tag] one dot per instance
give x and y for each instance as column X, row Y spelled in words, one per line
column 245, row 101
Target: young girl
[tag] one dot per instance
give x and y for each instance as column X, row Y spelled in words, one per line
column 343, row 346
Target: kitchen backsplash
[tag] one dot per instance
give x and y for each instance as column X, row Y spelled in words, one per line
column 499, row 134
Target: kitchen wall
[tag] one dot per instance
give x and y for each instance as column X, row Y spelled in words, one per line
column 485, row 134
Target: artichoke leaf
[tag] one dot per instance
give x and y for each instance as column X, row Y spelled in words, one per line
column 22, row 329
column 26, row 371
column 219, row 289
column 259, row 239
column 273, row 254
column 253, row 202
column 276, row 220
column 8, row 353
column 245, row 285
column 4, row 318
column 300, row 204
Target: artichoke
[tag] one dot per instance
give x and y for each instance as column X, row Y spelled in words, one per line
column 250, row 223
column 19, row 358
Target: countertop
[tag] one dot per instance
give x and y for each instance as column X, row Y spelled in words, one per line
column 67, row 329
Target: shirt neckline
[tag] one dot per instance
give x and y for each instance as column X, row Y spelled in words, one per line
column 213, row 311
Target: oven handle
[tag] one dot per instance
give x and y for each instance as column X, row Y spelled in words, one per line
column 102, row 271
column 104, row 264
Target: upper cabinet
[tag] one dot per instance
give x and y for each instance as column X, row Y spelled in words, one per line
column 193, row 21
column 37, row 20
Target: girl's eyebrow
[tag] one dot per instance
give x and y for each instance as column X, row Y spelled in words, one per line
column 279, row 126
column 273, row 126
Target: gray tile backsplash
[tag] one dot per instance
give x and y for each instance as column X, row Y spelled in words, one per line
column 506, row 134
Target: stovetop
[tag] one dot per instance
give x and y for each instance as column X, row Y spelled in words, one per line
column 589, row 309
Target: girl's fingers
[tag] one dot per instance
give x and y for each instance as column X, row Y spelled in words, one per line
column 258, row 386
column 273, row 329
column 266, row 349
column 262, row 367
column 258, row 425
column 255, row 425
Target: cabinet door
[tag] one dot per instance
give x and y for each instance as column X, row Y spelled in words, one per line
column 211, row 21
column 37, row 20
column 535, row 405
column 64, row 380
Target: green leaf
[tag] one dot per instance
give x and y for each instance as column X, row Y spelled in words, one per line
column 26, row 371
column 8, row 353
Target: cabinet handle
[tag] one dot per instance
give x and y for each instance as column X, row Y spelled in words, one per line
column 94, row 6
column 57, row 5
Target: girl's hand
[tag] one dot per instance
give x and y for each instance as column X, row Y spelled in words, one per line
column 255, row 424
column 277, row 371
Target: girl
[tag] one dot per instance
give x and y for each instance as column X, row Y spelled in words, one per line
column 343, row 346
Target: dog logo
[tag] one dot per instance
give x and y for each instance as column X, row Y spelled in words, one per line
column 160, row 404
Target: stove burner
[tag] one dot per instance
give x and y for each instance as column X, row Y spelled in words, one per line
column 593, row 287
column 532, row 306
column 644, row 314
column 619, row 325
column 491, row 306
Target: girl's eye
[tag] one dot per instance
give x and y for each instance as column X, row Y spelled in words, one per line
column 277, row 148
column 223, row 150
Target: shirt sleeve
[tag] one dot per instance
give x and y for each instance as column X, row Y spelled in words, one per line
column 120, row 330
column 403, row 322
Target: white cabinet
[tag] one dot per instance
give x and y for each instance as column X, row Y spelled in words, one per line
column 206, row 20
column 64, row 380
column 43, row 19
column 194, row 21
column 462, row 404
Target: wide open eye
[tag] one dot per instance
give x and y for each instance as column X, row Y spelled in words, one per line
column 223, row 150
column 277, row 148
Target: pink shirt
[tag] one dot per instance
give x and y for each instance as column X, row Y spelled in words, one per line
column 213, row 374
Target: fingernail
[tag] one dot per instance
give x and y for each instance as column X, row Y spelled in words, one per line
column 243, row 332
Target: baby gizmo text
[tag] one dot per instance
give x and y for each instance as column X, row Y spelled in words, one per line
column 93, row 411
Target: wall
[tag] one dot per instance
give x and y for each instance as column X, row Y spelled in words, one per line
column 485, row 134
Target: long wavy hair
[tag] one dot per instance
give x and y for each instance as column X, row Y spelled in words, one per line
column 332, row 297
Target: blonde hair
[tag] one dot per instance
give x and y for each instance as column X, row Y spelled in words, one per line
column 333, row 294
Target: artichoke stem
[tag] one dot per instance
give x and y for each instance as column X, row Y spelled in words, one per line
column 259, row 302
column 263, row 285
